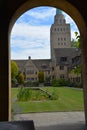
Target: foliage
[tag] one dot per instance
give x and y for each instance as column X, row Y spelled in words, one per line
column 59, row 82
column 14, row 69
column 24, row 94
column 31, row 84
column 47, row 78
column 21, row 78
column 68, row 100
column 75, row 84
column 41, row 76
column 78, row 40
column 76, row 43
column 29, row 94
column 76, row 70
column 54, row 95
column 14, row 81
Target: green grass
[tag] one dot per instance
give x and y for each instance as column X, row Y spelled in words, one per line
column 68, row 100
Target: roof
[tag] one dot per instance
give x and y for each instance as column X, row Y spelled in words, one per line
column 39, row 63
column 72, row 52
column 66, row 52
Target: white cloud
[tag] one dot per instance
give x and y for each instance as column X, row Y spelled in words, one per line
column 30, row 39
column 42, row 14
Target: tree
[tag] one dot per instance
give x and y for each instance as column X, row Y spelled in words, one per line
column 77, row 69
column 21, row 78
column 41, row 76
column 14, row 70
column 76, row 43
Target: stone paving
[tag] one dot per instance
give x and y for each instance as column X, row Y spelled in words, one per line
column 53, row 118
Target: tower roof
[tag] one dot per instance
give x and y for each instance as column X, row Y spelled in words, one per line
column 58, row 11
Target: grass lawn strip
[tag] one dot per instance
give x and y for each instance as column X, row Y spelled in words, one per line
column 69, row 100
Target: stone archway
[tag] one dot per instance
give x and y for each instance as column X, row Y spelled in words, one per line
column 70, row 10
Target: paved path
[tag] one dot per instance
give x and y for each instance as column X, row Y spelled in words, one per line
column 53, row 118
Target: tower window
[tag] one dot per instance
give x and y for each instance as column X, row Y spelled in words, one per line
column 54, row 29
column 64, row 43
column 58, row 38
column 64, row 39
column 60, row 20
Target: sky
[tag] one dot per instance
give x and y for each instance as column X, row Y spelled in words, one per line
column 30, row 34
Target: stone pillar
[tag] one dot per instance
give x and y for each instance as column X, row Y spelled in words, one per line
column 5, row 100
column 84, row 72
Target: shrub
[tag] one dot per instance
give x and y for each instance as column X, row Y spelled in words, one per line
column 31, row 84
column 27, row 84
column 75, row 84
column 24, row 94
column 47, row 83
column 35, row 84
column 60, row 82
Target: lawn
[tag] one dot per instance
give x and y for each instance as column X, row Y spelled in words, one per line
column 69, row 99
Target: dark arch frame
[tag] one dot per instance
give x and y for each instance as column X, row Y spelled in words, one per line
column 64, row 5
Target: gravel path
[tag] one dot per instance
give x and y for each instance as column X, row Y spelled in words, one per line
column 53, row 118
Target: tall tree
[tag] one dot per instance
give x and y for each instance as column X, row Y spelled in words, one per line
column 77, row 43
column 21, row 78
column 41, row 76
column 14, row 69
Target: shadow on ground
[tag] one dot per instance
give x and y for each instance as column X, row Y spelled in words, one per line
column 63, row 127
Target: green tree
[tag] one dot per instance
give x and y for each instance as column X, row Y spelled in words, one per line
column 41, row 76
column 14, row 71
column 76, row 70
column 76, row 42
column 21, row 78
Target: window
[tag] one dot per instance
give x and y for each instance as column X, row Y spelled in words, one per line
column 62, row 76
column 64, row 39
column 64, row 43
column 54, row 29
column 52, row 68
column 63, row 59
column 48, row 71
column 30, row 72
column 58, row 38
column 60, row 20
column 44, row 66
column 61, row 67
column 35, row 72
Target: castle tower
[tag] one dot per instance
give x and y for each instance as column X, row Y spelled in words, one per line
column 60, row 34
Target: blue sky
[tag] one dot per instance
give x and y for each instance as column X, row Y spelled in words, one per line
column 30, row 34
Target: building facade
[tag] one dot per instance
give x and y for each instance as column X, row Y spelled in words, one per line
column 63, row 56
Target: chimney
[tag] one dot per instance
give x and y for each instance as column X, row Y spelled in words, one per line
column 29, row 57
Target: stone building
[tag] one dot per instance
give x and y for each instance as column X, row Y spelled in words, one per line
column 63, row 57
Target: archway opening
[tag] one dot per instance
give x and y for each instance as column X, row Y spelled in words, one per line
column 44, row 31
